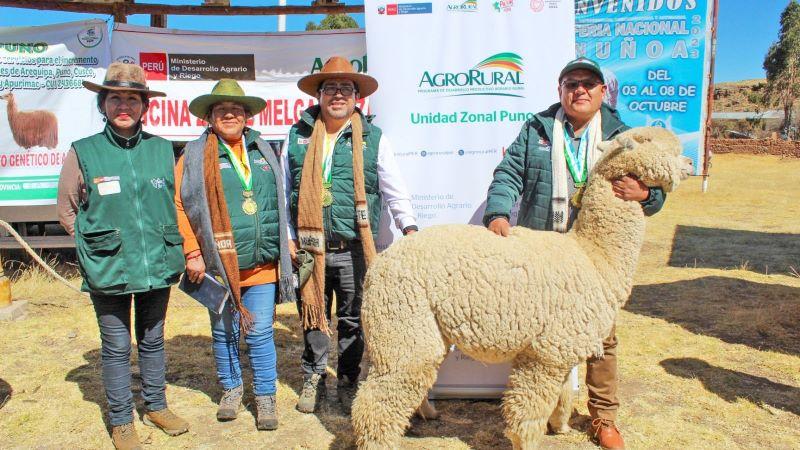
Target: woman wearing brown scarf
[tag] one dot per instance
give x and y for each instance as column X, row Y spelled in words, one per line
column 232, row 217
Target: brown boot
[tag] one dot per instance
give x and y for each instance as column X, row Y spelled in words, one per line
column 606, row 434
column 124, row 437
column 167, row 421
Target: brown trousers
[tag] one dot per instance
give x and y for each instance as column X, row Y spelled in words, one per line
column 601, row 380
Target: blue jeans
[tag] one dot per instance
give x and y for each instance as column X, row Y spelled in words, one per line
column 260, row 301
column 114, row 319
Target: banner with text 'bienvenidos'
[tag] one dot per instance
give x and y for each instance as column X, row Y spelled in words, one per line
column 655, row 55
column 458, row 78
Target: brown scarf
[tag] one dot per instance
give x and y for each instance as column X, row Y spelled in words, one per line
column 309, row 218
column 221, row 226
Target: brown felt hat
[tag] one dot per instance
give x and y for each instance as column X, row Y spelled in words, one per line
column 124, row 77
column 338, row 67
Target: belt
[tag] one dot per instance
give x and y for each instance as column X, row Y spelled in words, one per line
column 337, row 245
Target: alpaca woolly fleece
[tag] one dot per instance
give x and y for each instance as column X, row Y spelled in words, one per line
column 542, row 300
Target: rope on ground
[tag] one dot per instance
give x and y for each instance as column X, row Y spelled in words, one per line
column 36, row 257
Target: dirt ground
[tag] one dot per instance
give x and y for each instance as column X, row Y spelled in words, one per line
column 709, row 346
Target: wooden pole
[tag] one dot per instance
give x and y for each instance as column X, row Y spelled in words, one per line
column 158, row 20
column 710, row 99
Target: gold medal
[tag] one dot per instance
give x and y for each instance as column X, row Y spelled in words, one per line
column 249, row 206
column 327, row 197
column 576, row 198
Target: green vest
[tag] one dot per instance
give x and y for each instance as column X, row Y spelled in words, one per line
column 126, row 232
column 339, row 219
column 256, row 236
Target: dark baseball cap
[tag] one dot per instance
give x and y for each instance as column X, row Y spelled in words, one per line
column 582, row 63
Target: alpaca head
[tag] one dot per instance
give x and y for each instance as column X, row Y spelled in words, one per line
column 652, row 154
column 7, row 96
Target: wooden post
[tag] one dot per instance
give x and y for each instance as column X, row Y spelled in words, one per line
column 158, row 20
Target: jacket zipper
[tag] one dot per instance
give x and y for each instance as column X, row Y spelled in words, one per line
column 139, row 215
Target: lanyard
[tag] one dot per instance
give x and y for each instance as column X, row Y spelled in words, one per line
column 245, row 177
column 327, row 154
column 576, row 163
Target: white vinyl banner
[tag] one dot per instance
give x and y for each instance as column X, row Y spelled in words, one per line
column 43, row 105
column 458, row 78
column 187, row 64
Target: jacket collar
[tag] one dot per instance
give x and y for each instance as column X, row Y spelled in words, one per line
column 121, row 141
column 250, row 136
column 609, row 117
column 309, row 116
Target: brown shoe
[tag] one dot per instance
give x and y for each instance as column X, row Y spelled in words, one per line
column 606, row 434
column 124, row 437
column 167, row 421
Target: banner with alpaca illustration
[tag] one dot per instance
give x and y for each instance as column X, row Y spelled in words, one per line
column 43, row 105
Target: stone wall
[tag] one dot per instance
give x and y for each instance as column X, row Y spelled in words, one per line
column 756, row 147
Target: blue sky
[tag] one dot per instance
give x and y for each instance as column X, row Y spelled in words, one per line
column 746, row 28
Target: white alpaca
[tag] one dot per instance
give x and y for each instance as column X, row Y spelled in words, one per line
column 542, row 300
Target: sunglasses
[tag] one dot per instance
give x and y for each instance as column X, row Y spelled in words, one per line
column 331, row 89
column 588, row 84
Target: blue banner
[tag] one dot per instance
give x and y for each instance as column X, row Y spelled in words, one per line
column 655, row 57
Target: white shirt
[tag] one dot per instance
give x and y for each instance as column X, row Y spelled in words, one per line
column 390, row 182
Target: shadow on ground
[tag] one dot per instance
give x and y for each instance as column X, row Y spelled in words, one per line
column 5, row 392
column 716, row 248
column 760, row 315
column 731, row 385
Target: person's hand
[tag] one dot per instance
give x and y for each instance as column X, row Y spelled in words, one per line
column 195, row 267
column 500, row 226
column 293, row 250
column 630, row 188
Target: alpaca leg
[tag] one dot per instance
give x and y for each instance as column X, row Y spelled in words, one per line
column 559, row 420
column 533, row 392
column 405, row 353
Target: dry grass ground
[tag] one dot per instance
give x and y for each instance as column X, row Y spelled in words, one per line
column 709, row 352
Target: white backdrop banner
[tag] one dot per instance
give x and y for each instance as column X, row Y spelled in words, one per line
column 43, row 105
column 458, row 78
column 186, row 64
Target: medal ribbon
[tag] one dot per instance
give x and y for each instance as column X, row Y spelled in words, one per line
column 576, row 163
column 327, row 155
column 241, row 166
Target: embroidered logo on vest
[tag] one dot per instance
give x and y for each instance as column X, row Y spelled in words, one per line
column 158, row 183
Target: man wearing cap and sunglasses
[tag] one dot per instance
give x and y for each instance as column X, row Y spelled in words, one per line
column 548, row 165
column 338, row 170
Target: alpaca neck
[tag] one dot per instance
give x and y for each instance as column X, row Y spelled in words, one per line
column 611, row 231
column 11, row 107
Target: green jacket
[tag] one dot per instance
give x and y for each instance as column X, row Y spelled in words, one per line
column 526, row 169
column 256, row 236
column 126, row 231
column 339, row 219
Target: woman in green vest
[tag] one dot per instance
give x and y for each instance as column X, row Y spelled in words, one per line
column 232, row 215
column 115, row 196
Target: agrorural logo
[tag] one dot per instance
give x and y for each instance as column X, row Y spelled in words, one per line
column 463, row 6
column 499, row 74
column 503, row 5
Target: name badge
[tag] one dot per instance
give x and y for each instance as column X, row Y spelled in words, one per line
column 303, row 141
column 108, row 187
column 224, row 165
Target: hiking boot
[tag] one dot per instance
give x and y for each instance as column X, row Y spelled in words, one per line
column 124, row 437
column 606, row 434
column 167, row 421
column 314, row 391
column 266, row 418
column 230, row 403
column 346, row 391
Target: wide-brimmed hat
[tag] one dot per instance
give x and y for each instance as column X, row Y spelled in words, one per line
column 124, row 77
column 585, row 64
column 226, row 90
column 338, row 67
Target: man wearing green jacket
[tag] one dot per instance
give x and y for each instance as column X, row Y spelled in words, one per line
column 548, row 165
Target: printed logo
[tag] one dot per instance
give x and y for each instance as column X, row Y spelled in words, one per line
column 224, row 165
column 158, row 183
column 303, row 141
column 397, row 9
column 499, row 74
column 90, row 37
column 537, row 5
column 126, row 59
column 503, row 5
column 544, row 142
column 260, row 161
column 154, row 65
column 463, row 6
column 658, row 122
